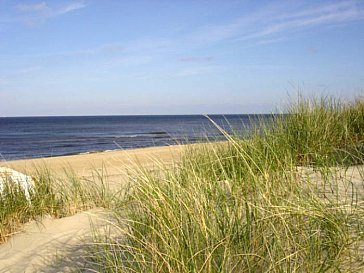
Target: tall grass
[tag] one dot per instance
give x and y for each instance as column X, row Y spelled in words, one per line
column 51, row 196
column 245, row 205
column 323, row 131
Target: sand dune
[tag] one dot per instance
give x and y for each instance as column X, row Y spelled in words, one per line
column 53, row 244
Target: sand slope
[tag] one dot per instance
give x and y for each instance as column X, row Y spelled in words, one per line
column 52, row 245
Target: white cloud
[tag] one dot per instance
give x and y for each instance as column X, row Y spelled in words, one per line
column 38, row 7
column 277, row 20
column 33, row 14
column 70, row 7
column 309, row 21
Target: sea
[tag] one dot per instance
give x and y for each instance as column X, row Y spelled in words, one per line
column 34, row 137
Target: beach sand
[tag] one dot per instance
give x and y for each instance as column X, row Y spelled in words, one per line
column 113, row 164
column 53, row 244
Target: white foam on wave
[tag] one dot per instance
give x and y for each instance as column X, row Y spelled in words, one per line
column 127, row 136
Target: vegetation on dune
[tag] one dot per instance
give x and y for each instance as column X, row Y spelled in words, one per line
column 324, row 132
column 244, row 206
column 51, row 196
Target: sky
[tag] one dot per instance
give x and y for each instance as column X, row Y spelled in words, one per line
column 132, row 57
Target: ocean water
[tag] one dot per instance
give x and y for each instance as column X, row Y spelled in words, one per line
column 32, row 137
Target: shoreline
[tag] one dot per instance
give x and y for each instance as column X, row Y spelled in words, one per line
column 85, row 153
column 2, row 160
column 53, row 137
column 64, row 235
column 115, row 162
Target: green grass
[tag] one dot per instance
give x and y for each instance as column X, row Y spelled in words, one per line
column 324, row 131
column 245, row 205
column 51, row 196
column 280, row 200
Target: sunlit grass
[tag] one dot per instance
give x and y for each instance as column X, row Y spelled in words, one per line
column 51, row 196
column 288, row 198
column 250, row 205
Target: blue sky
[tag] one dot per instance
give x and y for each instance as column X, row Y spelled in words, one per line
column 97, row 57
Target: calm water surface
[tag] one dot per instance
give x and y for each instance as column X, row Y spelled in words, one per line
column 31, row 137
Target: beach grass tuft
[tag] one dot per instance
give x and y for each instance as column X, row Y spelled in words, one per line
column 52, row 196
column 273, row 202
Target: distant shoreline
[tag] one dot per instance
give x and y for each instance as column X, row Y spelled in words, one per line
column 84, row 153
column 116, row 162
column 28, row 138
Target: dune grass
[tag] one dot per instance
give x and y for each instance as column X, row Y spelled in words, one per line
column 249, row 205
column 51, row 196
column 281, row 200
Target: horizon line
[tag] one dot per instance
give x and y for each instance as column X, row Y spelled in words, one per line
column 133, row 115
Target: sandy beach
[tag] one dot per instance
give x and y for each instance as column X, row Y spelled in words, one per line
column 54, row 245
column 115, row 164
column 39, row 247
column 181, row 136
